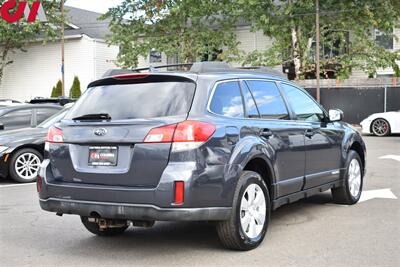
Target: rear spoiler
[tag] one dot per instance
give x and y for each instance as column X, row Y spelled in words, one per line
column 132, row 78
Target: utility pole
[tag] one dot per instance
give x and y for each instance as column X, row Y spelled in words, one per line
column 62, row 49
column 317, row 55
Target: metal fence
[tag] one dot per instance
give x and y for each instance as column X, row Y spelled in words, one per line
column 358, row 103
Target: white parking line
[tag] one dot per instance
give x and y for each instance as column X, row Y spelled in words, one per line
column 15, row 185
column 394, row 157
column 379, row 193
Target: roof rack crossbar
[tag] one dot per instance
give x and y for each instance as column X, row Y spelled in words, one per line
column 152, row 68
column 201, row 67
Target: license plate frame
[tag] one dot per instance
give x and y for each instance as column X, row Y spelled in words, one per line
column 103, row 156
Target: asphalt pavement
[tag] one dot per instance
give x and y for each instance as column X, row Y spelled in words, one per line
column 311, row 232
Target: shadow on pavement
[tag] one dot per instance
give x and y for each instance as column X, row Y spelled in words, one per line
column 177, row 237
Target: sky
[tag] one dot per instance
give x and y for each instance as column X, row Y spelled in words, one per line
column 100, row 6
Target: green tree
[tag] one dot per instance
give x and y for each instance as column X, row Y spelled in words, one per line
column 187, row 29
column 57, row 90
column 346, row 34
column 16, row 36
column 75, row 91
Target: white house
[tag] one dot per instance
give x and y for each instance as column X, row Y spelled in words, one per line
column 250, row 41
column 35, row 72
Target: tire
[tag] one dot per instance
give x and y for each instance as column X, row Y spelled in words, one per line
column 27, row 174
column 232, row 233
column 380, row 127
column 95, row 229
column 349, row 194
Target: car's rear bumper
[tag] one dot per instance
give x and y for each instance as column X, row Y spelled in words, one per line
column 133, row 211
column 202, row 202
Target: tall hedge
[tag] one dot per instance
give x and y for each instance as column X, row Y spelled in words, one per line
column 75, row 91
column 57, row 90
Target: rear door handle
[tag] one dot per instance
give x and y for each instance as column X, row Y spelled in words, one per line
column 266, row 133
column 310, row 133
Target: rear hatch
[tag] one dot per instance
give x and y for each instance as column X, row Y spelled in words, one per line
column 103, row 134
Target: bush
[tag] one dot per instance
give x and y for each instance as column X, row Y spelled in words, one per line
column 75, row 91
column 57, row 90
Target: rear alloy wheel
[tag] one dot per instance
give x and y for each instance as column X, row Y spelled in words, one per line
column 380, row 127
column 252, row 211
column 25, row 164
column 247, row 226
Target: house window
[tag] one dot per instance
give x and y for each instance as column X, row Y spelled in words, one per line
column 155, row 56
column 383, row 39
column 334, row 46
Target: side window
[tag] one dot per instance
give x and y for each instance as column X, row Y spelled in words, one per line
column 227, row 100
column 269, row 100
column 43, row 114
column 251, row 108
column 303, row 105
column 17, row 119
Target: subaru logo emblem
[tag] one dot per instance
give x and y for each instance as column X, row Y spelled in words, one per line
column 100, row 132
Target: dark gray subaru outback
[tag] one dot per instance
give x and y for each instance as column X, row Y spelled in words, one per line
column 211, row 144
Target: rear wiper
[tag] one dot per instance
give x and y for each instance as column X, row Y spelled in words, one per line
column 93, row 117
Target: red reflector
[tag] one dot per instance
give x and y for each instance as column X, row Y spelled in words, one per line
column 179, row 192
column 130, row 76
column 193, row 131
column 38, row 184
column 54, row 135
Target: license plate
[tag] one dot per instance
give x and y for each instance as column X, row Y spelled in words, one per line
column 103, row 156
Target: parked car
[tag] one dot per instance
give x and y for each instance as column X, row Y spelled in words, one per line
column 382, row 124
column 214, row 144
column 60, row 101
column 9, row 102
column 27, row 115
column 21, row 150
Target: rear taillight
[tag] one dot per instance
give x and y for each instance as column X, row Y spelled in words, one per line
column 193, row 131
column 179, row 196
column 163, row 134
column 54, row 135
column 184, row 136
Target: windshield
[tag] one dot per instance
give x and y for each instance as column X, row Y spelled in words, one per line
column 53, row 119
column 136, row 101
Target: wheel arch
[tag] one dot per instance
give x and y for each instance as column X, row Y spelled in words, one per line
column 357, row 147
column 262, row 166
column 38, row 147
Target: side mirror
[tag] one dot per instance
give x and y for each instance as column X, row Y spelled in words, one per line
column 1, row 127
column 335, row 115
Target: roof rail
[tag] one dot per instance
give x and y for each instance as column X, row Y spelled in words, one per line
column 198, row 67
column 151, row 69
column 263, row 69
column 211, row 66
column 156, row 68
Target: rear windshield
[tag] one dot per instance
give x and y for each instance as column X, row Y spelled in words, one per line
column 136, row 101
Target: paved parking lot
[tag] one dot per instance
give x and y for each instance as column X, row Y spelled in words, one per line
column 312, row 232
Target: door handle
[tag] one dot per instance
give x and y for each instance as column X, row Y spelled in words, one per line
column 309, row 133
column 266, row 133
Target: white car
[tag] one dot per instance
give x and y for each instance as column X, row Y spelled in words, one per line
column 382, row 124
